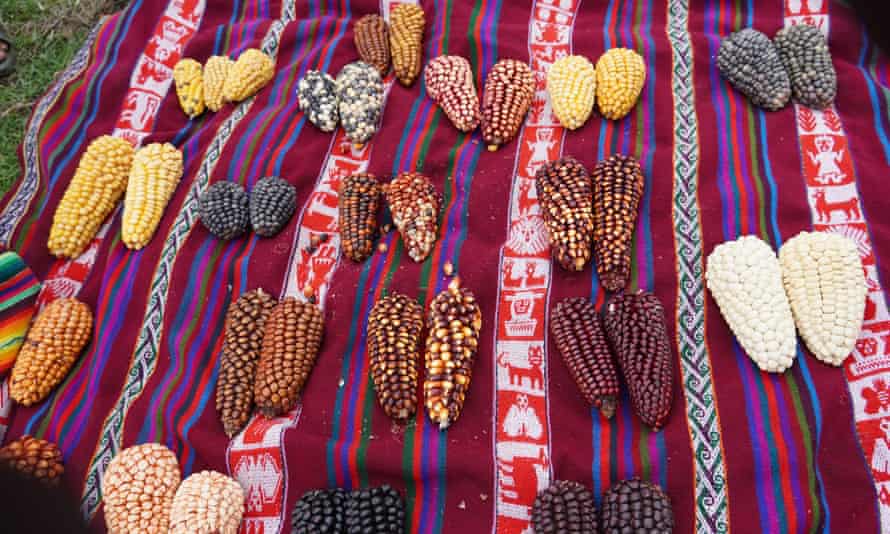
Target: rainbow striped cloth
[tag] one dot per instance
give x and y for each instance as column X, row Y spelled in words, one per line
column 18, row 291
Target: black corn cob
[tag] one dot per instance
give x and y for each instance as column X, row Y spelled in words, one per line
column 273, row 202
column 751, row 63
column 636, row 506
column 617, row 190
column 358, row 202
column 320, row 512
column 379, row 510
column 565, row 507
column 579, row 336
column 224, row 210
column 564, row 191
column 805, row 55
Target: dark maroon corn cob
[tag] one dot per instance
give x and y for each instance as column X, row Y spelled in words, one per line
column 358, row 202
column 564, row 508
column 636, row 506
column 617, row 190
column 564, row 191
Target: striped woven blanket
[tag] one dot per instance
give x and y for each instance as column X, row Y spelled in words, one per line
column 805, row 451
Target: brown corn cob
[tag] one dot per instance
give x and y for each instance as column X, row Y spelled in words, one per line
column 393, row 347
column 291, row 340
column 237, row 369
column 454, row 323
column 617, row 190
column 414, row 204
column 579, row 336
column 509, row 88
column 564, row 190
column 636, row 330
column 449, row 81
column 37, row 458
column 406, row 41
column 636, row 505
column 358, row 202
column 371, row 37
column 55, row 340
column 138, row 489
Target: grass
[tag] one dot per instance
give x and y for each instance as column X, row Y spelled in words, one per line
column 45, row 34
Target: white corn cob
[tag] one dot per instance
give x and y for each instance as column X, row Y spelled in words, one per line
column 826, row 286
column 746, row 281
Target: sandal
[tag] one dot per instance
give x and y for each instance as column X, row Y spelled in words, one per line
column 7, row 63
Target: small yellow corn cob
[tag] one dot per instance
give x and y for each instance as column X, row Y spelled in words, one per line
column 189, row 86
column 620, row 75
column 249, row 74
column 94, row 191
column 157, row 169
column 571, row 83
column 216, row 70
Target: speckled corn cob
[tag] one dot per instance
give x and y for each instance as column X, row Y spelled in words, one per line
column 636, row 506
column 36, row 458
column 207, row 503
column 358, row 202
column 636, row 330
column 617, row 190
column 394, row 328
column 449, row 81
column 823, row 279
column 745, row 280
column 245, row 322
column 317, row 93
column 189, row 79
column 565, row 507
column 414, row 204
column 360, row 96
column 291, row 340
column 564, row 191
column 571, row 84
column 371, row 36
column 216, row 70
column 251, row 72
column 95, row 189
column 406, row 41
column 804, row 53
column 454, row 322
column 579, row 336
column 138, row 489
column 55, row 340
column 156, row 171
column 749, row 60
column 620, row 75
column 509, row 89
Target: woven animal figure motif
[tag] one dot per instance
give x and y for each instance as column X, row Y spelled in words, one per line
column 360, row 96
column 371, row 36
column 406, row 41
column 138, row 489
column 571, row 84
column 564, row 190
column 617, row 189
column 620, row 76
column 189, row 80
column 509, row 89
column 804, row 54
column 751, row 63
column 449, row 81
column 414, row 204
column 358, row 203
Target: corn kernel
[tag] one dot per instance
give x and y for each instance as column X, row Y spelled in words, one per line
column 157, row 169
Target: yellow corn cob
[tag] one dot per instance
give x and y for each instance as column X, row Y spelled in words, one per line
column 189, row 86
column 620, row 75
column 157, row 169
column 248, row 75
column 216, row 70
column 571, row 83
column 406, row 41
column 97, row 185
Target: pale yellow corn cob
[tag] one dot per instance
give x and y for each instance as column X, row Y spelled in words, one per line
column 97, row 185
column 249, row 74
column 620, row 75
column 157, row 169
column 824, row 281
column 216, row 70
column 571, row 83
column 189, row 86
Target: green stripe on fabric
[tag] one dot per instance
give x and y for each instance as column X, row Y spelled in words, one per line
column 19, row 297
column 812, row 483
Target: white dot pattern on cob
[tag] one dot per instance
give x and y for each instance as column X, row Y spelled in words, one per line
column 449, row 81
column 138, row 489
column 156, row 171
column 207, row 503
column 508, row 93
column 745, row 280
column 251, row 72
column 360, row 95
column 216, row 70
column 414, row 204
column 189, row 82
column 824, row 281
column 571, row 84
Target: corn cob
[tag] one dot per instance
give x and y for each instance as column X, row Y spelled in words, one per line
column 55, row 340
column 371, row 37
column 571, row 84
column 509, row 88
column 406, row 41
column 620, row 75
column 320, row 512
column 189, row 86
column 823, row 279
column 580, row 339
column 216, row 70
column 414, row 204
column 636, row 330
column 138, row 489
column 251, row 72
column 360, row 96
column 637, row 506
column 245, row 321
column 449, row 81
column 317, row 93
column 564, row 508
column 750, row 62
column 393, row 347
column 745, row 280
column 36, row 458
column 564, row 190
column 617, row 190
column 97, row 185
column 804, row 54
column 379, row 510
column 224, row 209
column 454, row 322
column 156, row 171
column 358, row 202
column 207, row 503
column 291, row 340
column 273, row 202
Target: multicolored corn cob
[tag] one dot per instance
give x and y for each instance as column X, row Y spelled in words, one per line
column 371, row 36
column 251, row 72
column 207, row 502
column 406, row 41
column 620, row 76
column 216, row 70
column 358, row 202
column 414, row 204
column 565, row 193
column 571, row 83
column 156, row 171
column 317, row 93
column 509, row 89
column 449, row 81
column 636, row 506
column 360, row 97
column 565, row 507
column 189, row 80
column 617, row 189
column 138, row 489
column 35, row 458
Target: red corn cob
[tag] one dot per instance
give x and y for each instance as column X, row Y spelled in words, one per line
column 617, row 189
